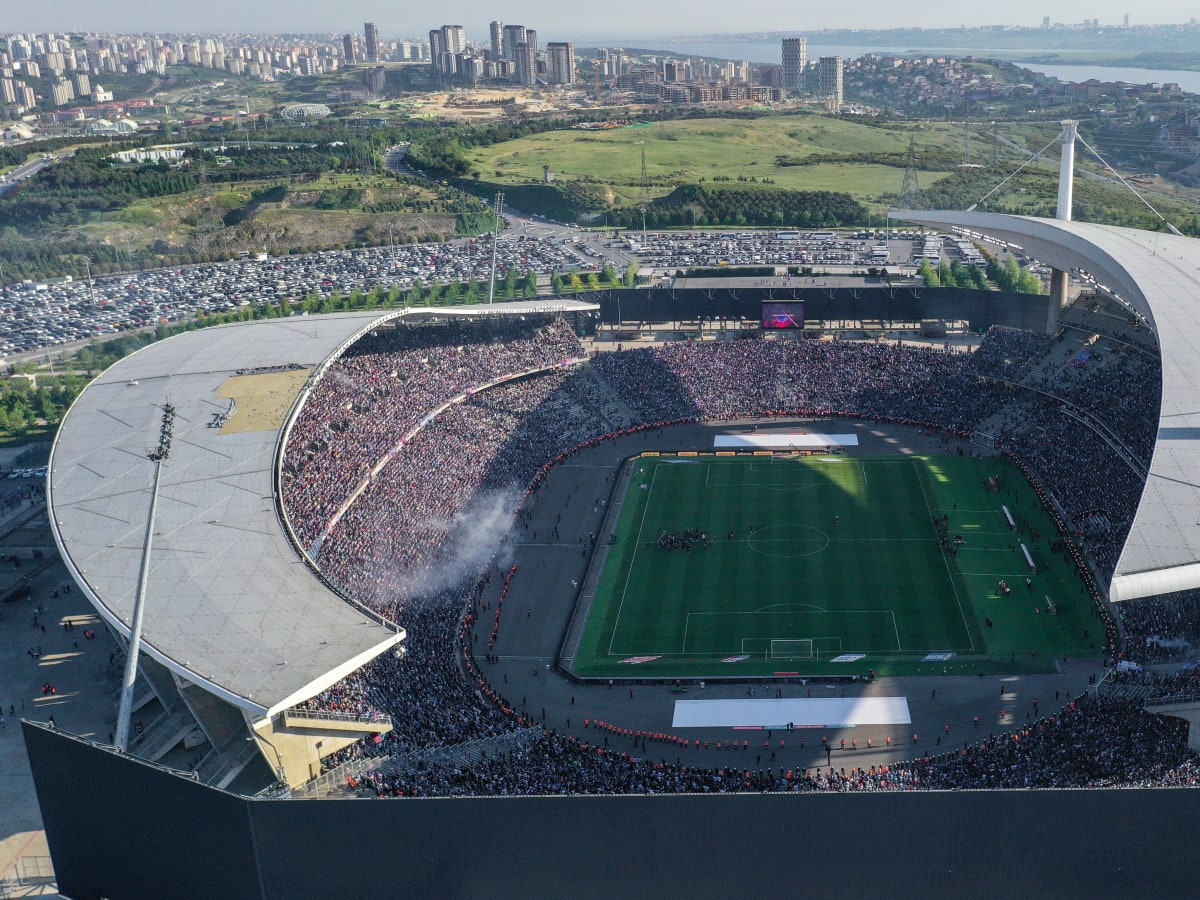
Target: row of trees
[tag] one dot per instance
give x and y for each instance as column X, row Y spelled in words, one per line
column 607, row 278
column 1009, row 277
column 694, row 205
column 953, row 274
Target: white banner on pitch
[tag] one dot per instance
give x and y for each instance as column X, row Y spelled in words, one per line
column 765, row 440
column 799, row 711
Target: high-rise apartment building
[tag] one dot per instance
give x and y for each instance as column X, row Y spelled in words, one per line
column 795, row 59
column 443, row 62
column 512, row 35
column 455, row 37
column 496, row 29
column 525, row 69
column 348, row 52
column 531, row 40
column 62, row 92
column 829, row 80
column 446, row 45
column 371, row 34
column 560, row 62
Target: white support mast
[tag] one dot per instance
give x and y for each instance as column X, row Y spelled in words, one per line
column 159, row 456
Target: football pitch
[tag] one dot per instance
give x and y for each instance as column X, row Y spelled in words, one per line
column 761, row 565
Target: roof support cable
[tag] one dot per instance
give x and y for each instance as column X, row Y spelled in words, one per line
column 1020, row 168
column 1104, row 163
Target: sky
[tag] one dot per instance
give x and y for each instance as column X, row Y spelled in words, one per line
column 562, row 21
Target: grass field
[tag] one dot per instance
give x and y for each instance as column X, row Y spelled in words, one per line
column 810, row 559
column 683, row 151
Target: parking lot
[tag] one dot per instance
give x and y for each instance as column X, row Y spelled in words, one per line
column 34, row 316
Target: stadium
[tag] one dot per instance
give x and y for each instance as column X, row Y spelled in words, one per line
column 392, row 560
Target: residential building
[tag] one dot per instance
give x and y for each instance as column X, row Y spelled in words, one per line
column 829, row 81
column 455, row 37
column 795, row 60
column 560, row 62
column 371, row 34
column 525, row 69
column 512, row 35
column 496, row 29
column 443, row 62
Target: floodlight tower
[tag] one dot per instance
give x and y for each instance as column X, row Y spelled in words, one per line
column 499, row 208
column 158, row 456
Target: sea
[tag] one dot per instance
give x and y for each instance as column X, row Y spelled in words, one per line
column 769, row 52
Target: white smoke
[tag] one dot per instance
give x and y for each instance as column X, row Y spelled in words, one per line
column 473, row 536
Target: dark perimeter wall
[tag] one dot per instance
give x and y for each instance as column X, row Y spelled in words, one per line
column 118, row 828
column 981, row 308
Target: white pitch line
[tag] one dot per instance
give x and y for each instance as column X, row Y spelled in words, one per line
column 945, row 561
column 629, row 572
column 994, row 574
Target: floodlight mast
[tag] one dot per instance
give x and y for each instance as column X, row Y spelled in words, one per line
column 158, row 456
column 499, row 211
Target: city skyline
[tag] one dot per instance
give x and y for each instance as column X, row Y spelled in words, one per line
column 622, row 20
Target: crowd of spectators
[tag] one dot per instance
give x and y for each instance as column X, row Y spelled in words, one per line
column 383, row 386
column 1095, row 741
column 1163, row 629
column 1093, row 485
column 1087, row 430
column 413, row 545
column 910, row 385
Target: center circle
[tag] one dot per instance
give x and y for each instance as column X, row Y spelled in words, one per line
column 788, row 541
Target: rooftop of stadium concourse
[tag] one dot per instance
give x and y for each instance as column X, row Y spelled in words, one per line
column 1157, row 277
column 231, row 606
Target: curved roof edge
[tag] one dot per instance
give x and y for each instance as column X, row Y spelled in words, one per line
column 1150, row 584
column 1158, row 276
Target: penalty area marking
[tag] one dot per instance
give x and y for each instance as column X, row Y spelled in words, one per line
column 687, row 624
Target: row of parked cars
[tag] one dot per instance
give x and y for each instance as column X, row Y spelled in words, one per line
column 38, row 472
column 36, row 315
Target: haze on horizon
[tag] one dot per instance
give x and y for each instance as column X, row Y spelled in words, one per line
column 614, row 20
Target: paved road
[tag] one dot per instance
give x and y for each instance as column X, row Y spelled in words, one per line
column 24, row 171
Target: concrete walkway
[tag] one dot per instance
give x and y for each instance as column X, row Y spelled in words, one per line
column 82, row 703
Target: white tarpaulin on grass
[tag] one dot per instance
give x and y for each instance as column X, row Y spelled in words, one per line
column 801, row 712
column 765, row 440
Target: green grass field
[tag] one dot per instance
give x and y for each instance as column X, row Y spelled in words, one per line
column 810, row 559
column 683, row 151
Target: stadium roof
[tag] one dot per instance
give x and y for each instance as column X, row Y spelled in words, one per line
column 231, row 605
column 1158, row 276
